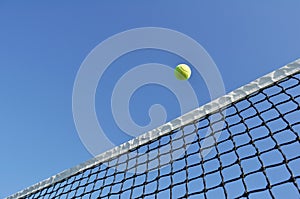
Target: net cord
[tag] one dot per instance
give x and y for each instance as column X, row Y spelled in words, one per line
column 198, row 113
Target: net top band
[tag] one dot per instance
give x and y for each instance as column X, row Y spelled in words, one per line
column 177, row 123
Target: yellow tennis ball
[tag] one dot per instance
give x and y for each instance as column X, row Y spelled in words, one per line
column 182, row 72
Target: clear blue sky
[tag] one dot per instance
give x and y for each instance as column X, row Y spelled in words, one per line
column 42, row 45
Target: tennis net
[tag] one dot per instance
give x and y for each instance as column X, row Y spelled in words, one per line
column 245, row 144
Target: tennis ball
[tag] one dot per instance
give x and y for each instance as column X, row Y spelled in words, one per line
column 182, row 72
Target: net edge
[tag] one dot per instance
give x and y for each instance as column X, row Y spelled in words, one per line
column 185, row 119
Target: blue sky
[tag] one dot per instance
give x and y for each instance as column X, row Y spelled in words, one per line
column 42, row 45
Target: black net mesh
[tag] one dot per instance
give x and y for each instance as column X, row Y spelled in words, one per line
column 255, row 153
